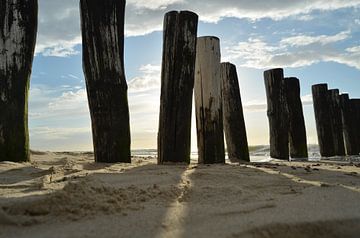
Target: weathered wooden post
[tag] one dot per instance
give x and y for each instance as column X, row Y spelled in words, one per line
column 177, row 84
column 18, row 23
column 208, row 102
column 355, row 105
column 233, row 117
column 336, row 121
column 348, row 125
column 102, row 25
column 297, row 130
column 323, row 120
column 277, row 113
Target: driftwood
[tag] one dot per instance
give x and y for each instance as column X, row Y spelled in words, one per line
column 208, row 102
column 102, row 25
column 234, row 124
column 277, row 113
column 348, row 125
column 177, row 84
column 18, row 23
column 297, row 130
column 323, row 120
column 336, row 122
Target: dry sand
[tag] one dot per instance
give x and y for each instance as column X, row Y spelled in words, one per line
column 67, row 195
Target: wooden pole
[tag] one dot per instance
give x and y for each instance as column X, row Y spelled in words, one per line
column 277, row 113
column 355, row 106
column 234, row 123
column 336, row 121
column 297, row 130
column 348, row 125
column 323, row 120
column 208, row 102
column 102, row 25
column 177, row 84
column 18, row 23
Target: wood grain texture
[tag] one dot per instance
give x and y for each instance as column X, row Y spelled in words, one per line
column 102, row 26
column 336, row 122
column 208, row 101
column 177, row 84
column 297, row 129
column 233, row 117
column 349, row 124
column 277, row 113
column 323, row 121
column 18, row 30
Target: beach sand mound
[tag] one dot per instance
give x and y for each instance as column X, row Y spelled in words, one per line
column 89, row 198
column 68, row 195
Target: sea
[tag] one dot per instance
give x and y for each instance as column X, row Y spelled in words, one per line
column 260, row 154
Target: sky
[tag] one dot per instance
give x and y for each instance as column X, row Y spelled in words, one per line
column 317, row 41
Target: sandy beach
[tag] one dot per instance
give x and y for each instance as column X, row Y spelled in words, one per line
column 68, row 195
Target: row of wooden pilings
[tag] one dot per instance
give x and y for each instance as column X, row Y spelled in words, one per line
column 337, row 121
column 190, row 65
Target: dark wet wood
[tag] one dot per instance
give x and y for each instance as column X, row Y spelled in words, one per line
column 297, row 130
column 177, row 84
column 208, row 101
column 322, row 112
column 277, row 113
column 355, row 106
column 234, row 123
column 102, row 26
column 18, row 30
column 348, row 125
column 336, row 122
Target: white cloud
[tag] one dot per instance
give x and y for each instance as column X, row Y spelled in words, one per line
column 294, row 51
column 148, row 80
column 303, row 40
column 70, row 103
column 56, row 133
column 261, row 105
column 59, row 21
column 59, row 28
column 46, row 103
column 307, row 99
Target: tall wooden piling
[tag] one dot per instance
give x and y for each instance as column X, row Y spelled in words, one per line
column 208, row 101
column 177, row 84
column 297, row 130
column 355, row 105
column 233, row 117
column 323, row 120
column 348, row 125
column 102, row 26
column 336, row 122
column 18, row 23
column 277, row 113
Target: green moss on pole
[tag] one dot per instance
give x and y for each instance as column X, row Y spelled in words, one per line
column 18, row 23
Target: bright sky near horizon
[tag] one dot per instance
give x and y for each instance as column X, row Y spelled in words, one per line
column 317, row 41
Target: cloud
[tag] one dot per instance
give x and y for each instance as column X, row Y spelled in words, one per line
column 59, row 21
column 294, row 51
column 261, row 105
column 58, row 133
column 70, row 103
column 59, row 28
column 303, row 40
column 148, row 80
column 214, row 10
column 62, row 103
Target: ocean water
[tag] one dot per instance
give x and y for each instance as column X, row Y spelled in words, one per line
column 260, row 154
